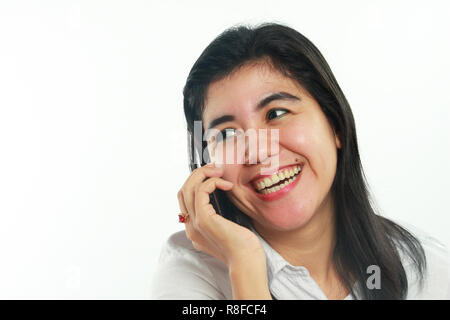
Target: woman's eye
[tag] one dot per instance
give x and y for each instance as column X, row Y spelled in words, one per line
column 226, row 133
column 275, row 113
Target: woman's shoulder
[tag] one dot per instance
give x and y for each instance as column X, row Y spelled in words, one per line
column 436, row 284
column 186, row 273
column 179, row 246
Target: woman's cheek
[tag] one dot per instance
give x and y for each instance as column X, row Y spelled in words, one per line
column 294, row 137
column 231, row 172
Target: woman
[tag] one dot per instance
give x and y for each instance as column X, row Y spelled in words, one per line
column 291, row 219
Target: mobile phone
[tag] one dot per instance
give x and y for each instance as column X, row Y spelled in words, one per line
column 214, row 200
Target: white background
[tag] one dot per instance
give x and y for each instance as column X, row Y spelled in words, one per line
column 92, row 132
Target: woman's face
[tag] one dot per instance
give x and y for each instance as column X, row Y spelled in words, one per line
column 305, row 139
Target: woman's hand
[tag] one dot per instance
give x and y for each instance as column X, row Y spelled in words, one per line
column 236, row 246
column 210, row 232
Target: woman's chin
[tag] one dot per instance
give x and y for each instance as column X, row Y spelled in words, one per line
column 285, row 220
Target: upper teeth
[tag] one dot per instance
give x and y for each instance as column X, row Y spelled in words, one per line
column 277, row 177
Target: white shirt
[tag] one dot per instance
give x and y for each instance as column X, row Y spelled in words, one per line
column 184, row 273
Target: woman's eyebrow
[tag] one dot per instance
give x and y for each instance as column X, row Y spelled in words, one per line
column 264, row 102
column 276, row 96
column 219, row 120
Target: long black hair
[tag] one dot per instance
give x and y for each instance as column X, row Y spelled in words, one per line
column 363, row 237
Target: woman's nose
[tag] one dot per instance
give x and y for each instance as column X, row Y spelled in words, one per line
column 261, row 146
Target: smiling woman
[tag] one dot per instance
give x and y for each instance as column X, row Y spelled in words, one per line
column 303, row 228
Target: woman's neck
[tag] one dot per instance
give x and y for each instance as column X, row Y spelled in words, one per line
column 310, row 246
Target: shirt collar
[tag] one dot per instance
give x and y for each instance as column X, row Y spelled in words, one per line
column 276, row 263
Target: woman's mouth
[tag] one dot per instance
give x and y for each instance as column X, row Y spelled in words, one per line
column 277, row 185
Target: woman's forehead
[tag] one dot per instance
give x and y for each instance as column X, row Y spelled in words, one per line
column 242, row 90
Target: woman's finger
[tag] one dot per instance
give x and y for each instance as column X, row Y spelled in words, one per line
column 197, row 177
column 203, row 207
column 203, row 191
column 191, row 233
column 181, row 203
column 198, row 240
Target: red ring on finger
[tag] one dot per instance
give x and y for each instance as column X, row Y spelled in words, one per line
column 183, row 217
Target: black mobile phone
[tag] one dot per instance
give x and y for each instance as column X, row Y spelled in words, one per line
column 215, row 202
